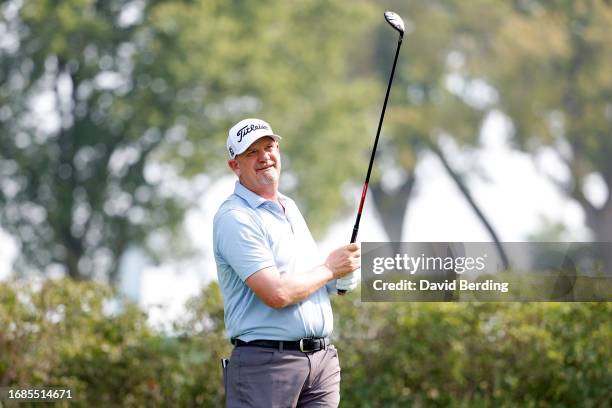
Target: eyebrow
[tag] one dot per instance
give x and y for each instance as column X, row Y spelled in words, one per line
column 251, row 149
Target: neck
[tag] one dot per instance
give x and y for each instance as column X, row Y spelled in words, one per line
column 268, row 191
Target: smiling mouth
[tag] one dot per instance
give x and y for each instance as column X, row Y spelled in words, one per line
column 266, row 168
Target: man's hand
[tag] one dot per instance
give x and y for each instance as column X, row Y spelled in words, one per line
column 344, row 260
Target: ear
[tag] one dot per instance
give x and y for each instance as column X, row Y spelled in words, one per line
column 233, row 164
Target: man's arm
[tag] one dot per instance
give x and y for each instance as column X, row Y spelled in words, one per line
column 278, row 291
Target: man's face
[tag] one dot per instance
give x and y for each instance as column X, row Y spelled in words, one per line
column 258, row 167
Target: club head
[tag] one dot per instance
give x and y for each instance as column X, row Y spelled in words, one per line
column 395, row 21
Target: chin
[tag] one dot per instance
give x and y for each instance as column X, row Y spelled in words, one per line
column 268, row 180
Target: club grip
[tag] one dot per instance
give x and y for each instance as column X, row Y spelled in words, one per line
column 353, row 239
column 344, row 282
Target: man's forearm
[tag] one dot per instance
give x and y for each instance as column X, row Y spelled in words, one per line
column 279, row 290
column 297, row 287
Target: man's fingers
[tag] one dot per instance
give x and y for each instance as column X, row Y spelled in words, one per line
column 352, row 247
column 345, row 259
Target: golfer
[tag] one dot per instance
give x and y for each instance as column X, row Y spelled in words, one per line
column 275, row 286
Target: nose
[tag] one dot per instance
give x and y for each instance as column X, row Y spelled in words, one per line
column 262, row 155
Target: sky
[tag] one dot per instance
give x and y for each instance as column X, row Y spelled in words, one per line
column 516, row 196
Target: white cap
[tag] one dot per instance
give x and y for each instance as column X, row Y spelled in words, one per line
column 245, row 132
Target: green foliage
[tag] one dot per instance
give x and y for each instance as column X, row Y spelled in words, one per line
column 422, row 105
column 83, row 109
column 392, row 354
column 94, row 94
column 124, row 85
column 470, row 354
column 287, row 62
column 549, row 62
column 80, row 335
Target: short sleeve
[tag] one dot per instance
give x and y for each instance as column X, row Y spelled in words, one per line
column 242, row 243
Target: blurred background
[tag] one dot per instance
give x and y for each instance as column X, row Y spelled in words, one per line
column 113, row 122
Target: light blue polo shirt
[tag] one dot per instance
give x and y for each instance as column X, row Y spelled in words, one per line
column 251, row 233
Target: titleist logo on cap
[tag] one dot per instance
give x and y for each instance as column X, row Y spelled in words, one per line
column 242, row 132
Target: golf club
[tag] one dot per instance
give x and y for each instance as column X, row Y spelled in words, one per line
column 397, row 23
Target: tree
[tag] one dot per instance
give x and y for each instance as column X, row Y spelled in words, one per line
column 550, row 62
column 102, row 101
column 84, row 106
column 299, row 76
column 424, row 108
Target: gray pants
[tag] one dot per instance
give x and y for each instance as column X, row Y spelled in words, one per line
column 269, row 378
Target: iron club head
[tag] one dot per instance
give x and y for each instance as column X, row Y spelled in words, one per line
column 395, row 21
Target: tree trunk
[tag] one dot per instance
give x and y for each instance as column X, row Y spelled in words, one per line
column 73, row 253
column 600, row 223
column 119, row 248
column 392, row 206
column 468, row 196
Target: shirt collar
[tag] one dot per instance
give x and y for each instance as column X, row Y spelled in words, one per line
column 252, row 198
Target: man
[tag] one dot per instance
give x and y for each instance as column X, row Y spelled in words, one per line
column 277, row 309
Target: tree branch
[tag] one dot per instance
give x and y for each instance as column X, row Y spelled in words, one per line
column 468, row 196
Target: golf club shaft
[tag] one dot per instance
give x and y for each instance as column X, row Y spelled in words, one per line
column 364, row 191
column 380, row 122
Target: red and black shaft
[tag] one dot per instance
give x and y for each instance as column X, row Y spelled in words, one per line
column 380, row 122
column 373, row 155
